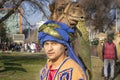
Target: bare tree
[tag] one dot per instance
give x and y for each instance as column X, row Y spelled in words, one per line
column 97, row 12
column 16, row 4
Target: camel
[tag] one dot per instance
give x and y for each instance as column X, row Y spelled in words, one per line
column 117, row 43
column 101, row 37
column 72, row 13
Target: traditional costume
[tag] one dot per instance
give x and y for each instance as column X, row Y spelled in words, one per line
column 71, row 68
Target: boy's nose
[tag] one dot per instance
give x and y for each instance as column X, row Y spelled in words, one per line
column 50, row 47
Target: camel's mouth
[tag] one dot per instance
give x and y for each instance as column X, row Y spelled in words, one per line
column 75, row 19
column 73, row 22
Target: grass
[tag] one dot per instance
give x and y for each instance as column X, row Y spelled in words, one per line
column 17, row 66
column 20, row 66
column 96, row 68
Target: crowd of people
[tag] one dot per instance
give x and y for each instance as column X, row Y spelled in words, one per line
column 20, row 47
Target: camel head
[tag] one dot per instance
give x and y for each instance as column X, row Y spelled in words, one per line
column 67, row 11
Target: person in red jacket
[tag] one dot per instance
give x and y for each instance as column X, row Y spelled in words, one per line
column 109, row 57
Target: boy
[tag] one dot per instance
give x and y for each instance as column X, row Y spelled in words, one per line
column 62, row 64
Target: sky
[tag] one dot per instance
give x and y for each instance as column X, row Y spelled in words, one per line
column 33, row 16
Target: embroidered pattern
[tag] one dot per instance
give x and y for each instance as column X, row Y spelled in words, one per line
column 43, row 73
column 65, row 74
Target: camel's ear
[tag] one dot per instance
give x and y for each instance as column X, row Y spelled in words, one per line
column 52, row 7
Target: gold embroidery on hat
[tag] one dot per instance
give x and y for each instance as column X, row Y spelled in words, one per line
column 49, row 29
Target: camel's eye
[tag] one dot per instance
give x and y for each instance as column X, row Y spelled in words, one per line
column 60, row 9
column 81, row 17
column 77, row 5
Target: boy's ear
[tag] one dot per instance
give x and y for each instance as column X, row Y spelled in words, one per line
column 65, row 48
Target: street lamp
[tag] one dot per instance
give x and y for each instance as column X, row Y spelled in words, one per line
column 116, row 20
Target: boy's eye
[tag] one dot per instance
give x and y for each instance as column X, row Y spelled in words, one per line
column 54, row 43
column 45, row 43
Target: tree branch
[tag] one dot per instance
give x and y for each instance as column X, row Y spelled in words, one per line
column 11, row 11
column 40, row 7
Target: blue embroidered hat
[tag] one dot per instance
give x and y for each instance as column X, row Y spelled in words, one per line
column 59, row 32
column 56, row 31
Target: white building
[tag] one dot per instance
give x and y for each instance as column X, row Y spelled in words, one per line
column 117, row 20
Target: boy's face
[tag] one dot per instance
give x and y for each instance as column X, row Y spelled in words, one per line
column 109, row 38
column 54, row 50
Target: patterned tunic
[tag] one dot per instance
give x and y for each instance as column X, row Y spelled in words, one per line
column 68, row 70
